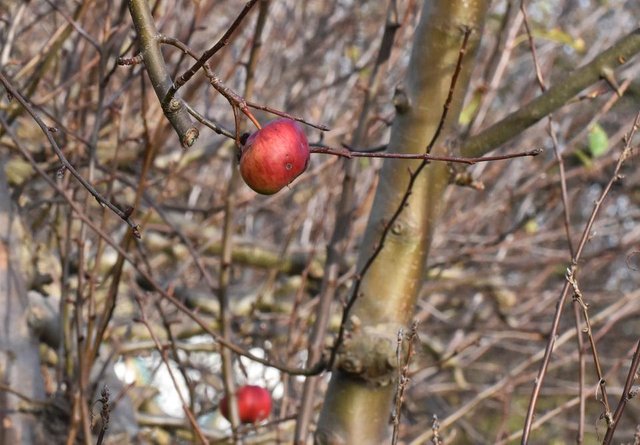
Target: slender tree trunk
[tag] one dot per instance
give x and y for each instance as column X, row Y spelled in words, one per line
column 358, row 403
column 19, row 356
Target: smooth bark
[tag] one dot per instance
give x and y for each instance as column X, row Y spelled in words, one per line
column 19, row 353
column 358, row 403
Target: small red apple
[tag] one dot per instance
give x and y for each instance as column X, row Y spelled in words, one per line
column 254, row 404
column 274, row 156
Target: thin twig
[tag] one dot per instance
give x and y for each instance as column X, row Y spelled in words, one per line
column 541, row 420
column 7, row 388
column 611, row 314
column 403, row 377
column 314, row 369
column 574, row 263
column 257, row 106
column 435, row 428
column 466, row 33
column 163, row 356
column 204, row 121
column 550, row 130
column 532, row 47
column 63, row 160
column 581, row 376
column 223, row 41
column 104, row 414
column 501, row 55
column 226, row 260
column 578, row 298
column 567, row 227
column 627, row 394
column 349, row 154
column 235, row 99
column 555, row 97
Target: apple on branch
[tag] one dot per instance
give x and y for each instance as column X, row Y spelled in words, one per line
column 274, row 156
column 254, row 404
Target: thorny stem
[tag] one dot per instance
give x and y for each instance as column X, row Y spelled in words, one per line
column 104, row 414
column 578, row 298
column 403, row 378
column 574, row 263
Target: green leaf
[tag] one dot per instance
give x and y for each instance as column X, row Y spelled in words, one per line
column 598, row 141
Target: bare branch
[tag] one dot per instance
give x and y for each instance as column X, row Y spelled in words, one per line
column 554, row 98
column 173, row 108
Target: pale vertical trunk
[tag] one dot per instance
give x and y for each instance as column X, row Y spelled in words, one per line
column 19, row 353
column 357, row 407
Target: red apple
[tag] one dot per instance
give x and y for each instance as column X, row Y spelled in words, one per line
column 254, row 404
column 274, row 156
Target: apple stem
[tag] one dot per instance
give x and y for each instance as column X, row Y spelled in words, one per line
column 253, row 119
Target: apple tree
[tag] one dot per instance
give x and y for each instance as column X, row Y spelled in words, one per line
column 332, row 221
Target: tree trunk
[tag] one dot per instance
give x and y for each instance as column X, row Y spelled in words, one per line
column 19, row 356
column 357, row 406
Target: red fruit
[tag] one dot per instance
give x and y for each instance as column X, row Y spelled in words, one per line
column 274, row 156
column 254, row 404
